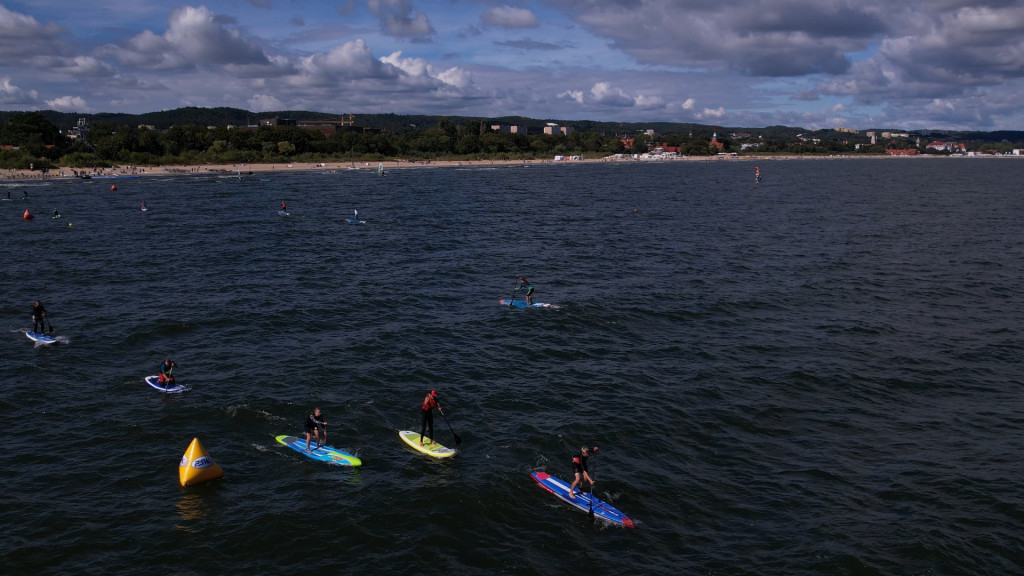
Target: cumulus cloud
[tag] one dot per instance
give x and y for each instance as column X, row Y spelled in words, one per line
column 83, row 66
column 396, row 18
column 22, row 36
column 11, row 95
column 711, row 114
column 351, row 60
column 194, row 37
column 576, row 95
column 418, row 71
column 68, row 104
column 688, row 104
column 509, row 17
column 605, row 93
column 264, row 103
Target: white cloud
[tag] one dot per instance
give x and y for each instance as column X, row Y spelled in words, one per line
column 11, row 95
column 688, row 104
column 68, row 104
column 417, row 71
column 455, row 77
column 605, row 93
column 264, row 103
column 576, row 95
column 644, row 101
column 708, row 113
column 509, row 17
column 195, row 37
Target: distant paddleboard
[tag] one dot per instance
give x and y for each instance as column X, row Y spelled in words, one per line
column 283, row 213
column 354, row 221
column 154, row 381
column 430, row 447
column 40, row 337
column 321, row 453
column 523, row 304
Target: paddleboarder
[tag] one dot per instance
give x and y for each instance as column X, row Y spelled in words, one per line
column 525, row 284
column 579, row 466
column 314, row 424
column 427, row 416
column 166, row 377
column 284, row 207
column 38, row 317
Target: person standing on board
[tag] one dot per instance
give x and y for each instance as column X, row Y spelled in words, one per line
column 314, row 424
column 427, row 416
column 38, row 317
column 284, row 207
column 525, row 284
column 166, row 377
column 579, row 466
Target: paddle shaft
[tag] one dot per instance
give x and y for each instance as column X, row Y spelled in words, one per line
column 591, row 512
column 515, row 288
column 457, row 439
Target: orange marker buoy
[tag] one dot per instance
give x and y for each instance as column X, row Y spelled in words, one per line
column 26, row 215
column 113, row 188
column 196, row 466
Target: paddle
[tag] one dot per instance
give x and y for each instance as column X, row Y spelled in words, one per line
column 515, row 288
column 50, row 325
column 590, row 513
column 457, row 439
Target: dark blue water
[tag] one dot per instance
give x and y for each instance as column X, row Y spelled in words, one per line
column 820, row 374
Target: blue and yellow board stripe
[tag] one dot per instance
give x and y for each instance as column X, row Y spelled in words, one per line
column 321, row 453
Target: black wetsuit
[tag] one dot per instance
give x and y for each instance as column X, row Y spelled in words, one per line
column 38, row 318
column 312, row 423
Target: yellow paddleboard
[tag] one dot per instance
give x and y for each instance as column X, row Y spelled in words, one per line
column 432, row 448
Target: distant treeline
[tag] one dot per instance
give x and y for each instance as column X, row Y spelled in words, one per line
column 230, row 136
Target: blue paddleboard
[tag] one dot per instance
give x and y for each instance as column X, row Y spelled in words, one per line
column 40, row 337
column 354, row 221
column 582, row 500
column 282, row 213
column 523, row 304
column 321, row 453
column 154, row 381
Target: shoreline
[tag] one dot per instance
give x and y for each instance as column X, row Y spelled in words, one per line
column 67, row 173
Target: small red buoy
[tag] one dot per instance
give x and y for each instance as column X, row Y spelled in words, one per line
column 27, row 215
column 113, row 188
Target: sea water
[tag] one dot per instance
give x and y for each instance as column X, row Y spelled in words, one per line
column 817, row 374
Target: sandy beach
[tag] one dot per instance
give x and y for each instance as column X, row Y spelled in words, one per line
column 335, row 166
column 340, row 166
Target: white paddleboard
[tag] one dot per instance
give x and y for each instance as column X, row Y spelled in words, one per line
column 174, row 389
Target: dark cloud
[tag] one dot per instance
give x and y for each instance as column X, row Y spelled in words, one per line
column 509, row 17
column 23, row 36
column 527, row 44
column 396, row 18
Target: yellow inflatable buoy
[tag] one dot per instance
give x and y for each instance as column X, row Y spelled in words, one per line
column 196, row 466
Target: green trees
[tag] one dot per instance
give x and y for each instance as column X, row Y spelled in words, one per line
column 123, row 139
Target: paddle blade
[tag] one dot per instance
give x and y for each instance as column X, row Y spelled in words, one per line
column 458, row 439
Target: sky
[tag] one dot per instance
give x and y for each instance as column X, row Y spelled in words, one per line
column 862, row 64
